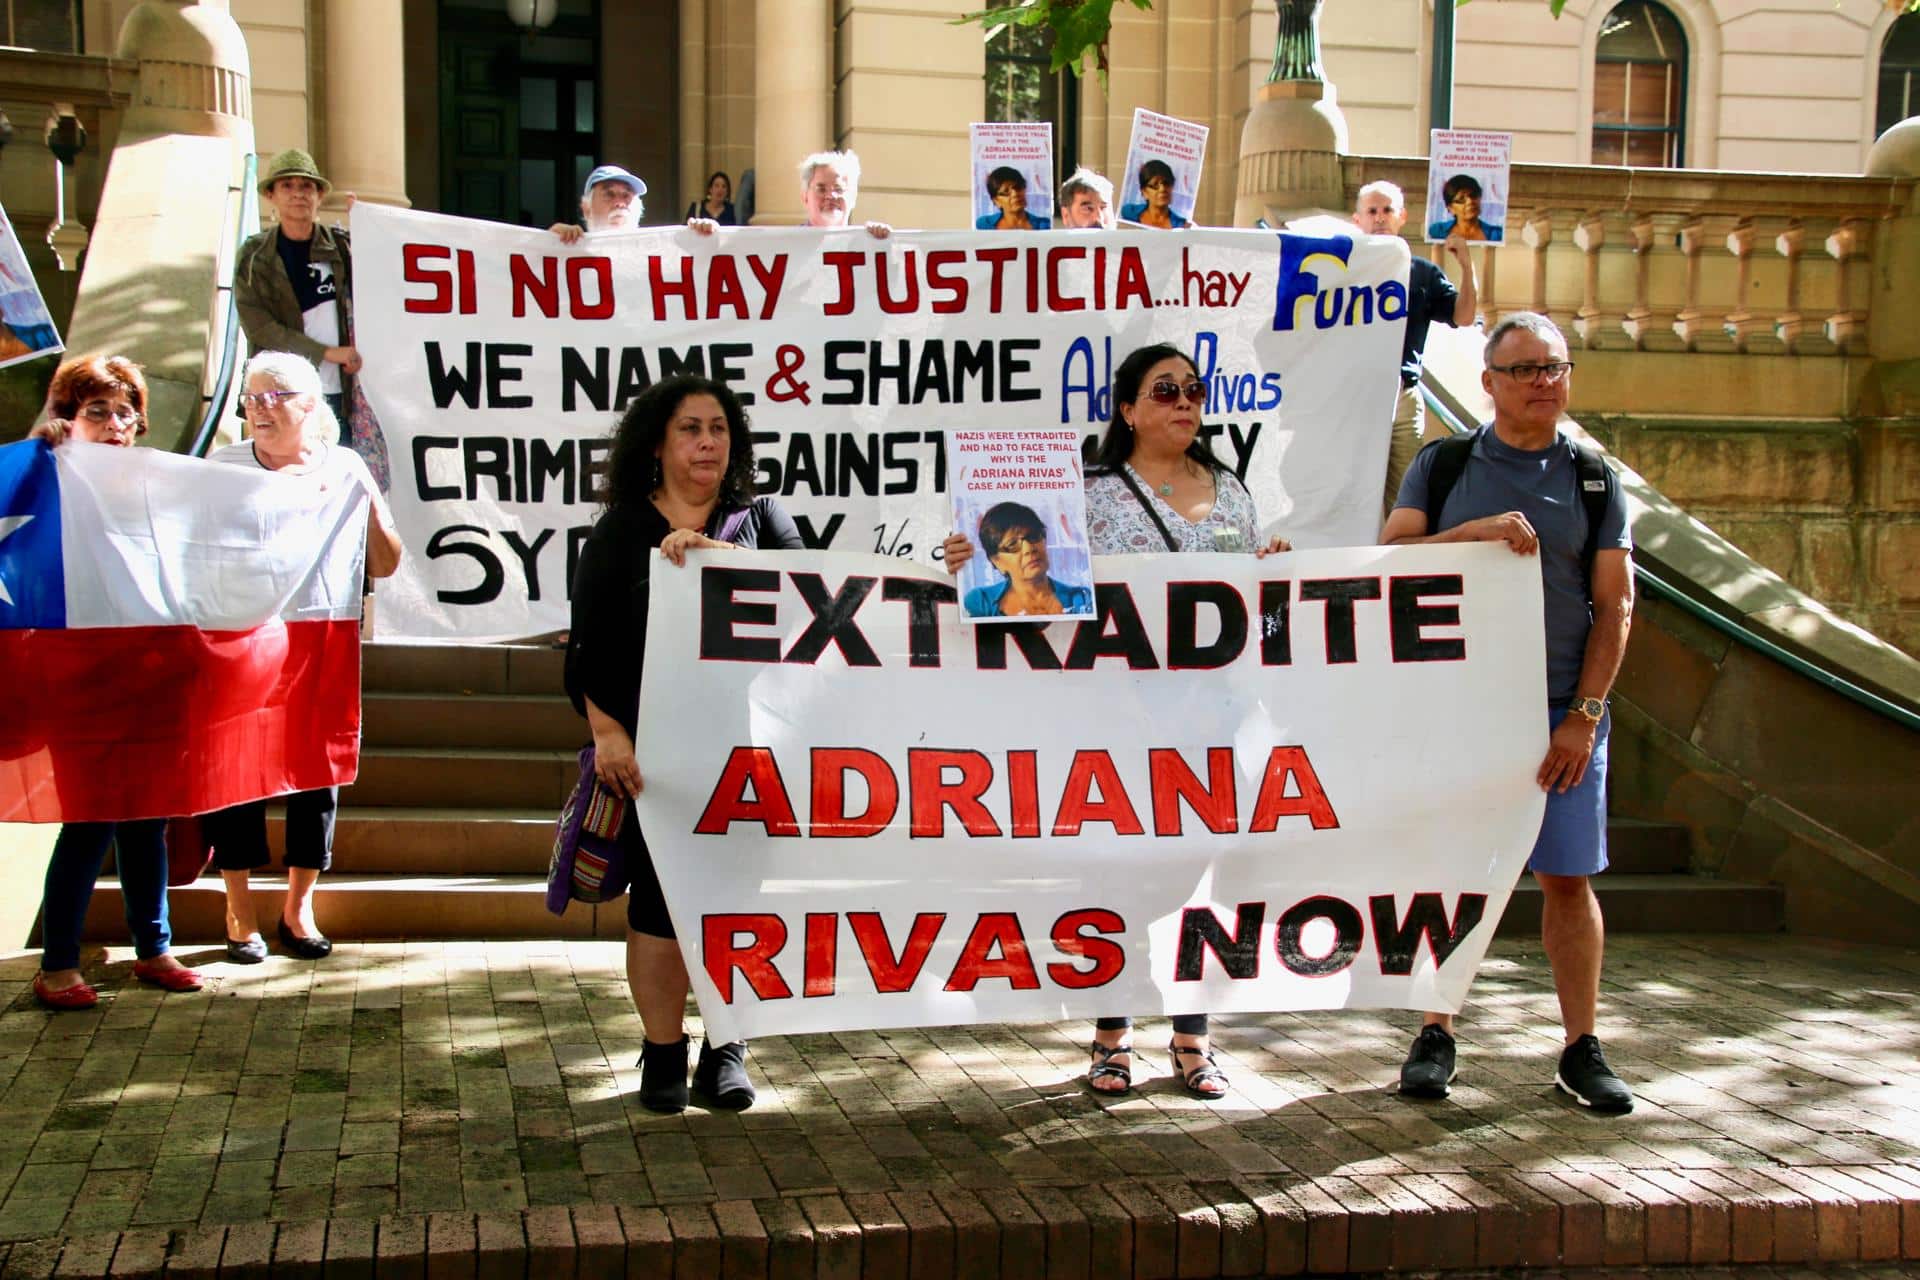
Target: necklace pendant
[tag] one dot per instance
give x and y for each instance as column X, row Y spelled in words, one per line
column 1166, row 490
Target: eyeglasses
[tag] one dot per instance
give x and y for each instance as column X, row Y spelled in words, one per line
column 100, row 414
column 1017, row 542
column 267, row 400
column 1166, row 391
column 1463, row 197
column 1553, row 371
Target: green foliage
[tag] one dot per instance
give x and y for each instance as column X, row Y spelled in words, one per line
column 1080, row 27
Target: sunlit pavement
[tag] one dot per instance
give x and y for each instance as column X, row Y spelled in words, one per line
column 469, row 1108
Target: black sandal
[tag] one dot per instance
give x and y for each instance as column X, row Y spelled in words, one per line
column 1206, row 1073
column 1104, row 1066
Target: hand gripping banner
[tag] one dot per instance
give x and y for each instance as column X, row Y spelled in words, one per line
column 1298, row 782
column 498, row 358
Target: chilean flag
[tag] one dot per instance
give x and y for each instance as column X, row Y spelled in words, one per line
column 176, row 635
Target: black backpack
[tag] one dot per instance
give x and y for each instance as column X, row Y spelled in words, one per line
column 1597, row 484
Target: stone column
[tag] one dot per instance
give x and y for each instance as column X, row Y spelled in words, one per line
column 1291, row 145
column 793, row 102
column 366, row 108
column 693, row 100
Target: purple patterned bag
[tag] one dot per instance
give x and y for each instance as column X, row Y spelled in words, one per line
column 587, row 863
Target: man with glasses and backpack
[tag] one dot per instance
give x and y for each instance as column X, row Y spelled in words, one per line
column 1520, row 481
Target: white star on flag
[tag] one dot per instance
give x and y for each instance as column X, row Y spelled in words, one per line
column 7, row 525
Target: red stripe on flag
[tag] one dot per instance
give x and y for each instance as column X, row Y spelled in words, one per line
column 104, row 724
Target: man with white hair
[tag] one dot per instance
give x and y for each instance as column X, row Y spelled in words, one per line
column 1381, row 210
column 829, row 188
column 610, row 201
column 1086, row 201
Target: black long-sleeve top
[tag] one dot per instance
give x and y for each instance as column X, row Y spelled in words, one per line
column 607, row 644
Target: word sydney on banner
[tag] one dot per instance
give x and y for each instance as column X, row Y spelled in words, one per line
column 498, row 360
column 1299, row 782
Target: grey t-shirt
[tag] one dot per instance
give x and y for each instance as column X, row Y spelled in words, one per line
column 1543, row 486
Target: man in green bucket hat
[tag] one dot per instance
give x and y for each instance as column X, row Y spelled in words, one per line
column 293, row 282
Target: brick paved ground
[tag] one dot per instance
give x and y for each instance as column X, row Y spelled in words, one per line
column 467, row 1109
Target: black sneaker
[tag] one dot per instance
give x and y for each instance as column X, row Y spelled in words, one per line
column 1429, row 1068
column 1584, row 1073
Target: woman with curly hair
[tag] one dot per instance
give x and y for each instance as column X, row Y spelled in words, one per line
column 680, row 477
column 103, row 400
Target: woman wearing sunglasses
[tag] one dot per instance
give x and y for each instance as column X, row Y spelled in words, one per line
column 1462, row 196
column 103, row 400
column 291, row 428
column 1155, row 486
column 1015, row 538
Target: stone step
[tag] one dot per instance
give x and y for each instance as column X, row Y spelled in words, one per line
column 364, row 907
column 498, row 720
column 1637, row 847
column 463, row 777
column 500, row 841
column 1663, row 904
column 479, row 668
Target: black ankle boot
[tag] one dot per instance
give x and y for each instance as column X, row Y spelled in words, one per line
column 663, row 1076
column 721, row 1076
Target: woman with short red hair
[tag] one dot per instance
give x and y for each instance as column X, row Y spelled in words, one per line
column 102, row 400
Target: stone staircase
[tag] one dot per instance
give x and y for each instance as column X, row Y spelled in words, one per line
column 469, row 751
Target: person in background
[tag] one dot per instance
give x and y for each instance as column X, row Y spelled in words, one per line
column 1156, row 199
column 1381, row 210
column 829, row 188
column 102, row 400
column 611, row 200
column 293, row 282
column 291, row 430
column 1086, row 201
column 718, row 206
column 680, row 476
column 1007, row 188
column 1155, row 486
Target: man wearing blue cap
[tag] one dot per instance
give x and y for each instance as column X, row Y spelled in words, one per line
column 611, row 201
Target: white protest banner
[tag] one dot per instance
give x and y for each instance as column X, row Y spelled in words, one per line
column 1020, row 497
column 1162, row 181
column 497, row 359
column 1299, row 782
column 26, row 326
column 1012, row 176
column 1469, row 173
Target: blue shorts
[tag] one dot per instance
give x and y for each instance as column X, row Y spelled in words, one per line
column 1573, row 834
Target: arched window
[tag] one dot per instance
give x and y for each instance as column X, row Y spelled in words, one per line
column 1640, row 88
column 1899, row 74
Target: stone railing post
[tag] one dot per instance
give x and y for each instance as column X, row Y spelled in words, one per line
column 1659, row 283
column 1846, row 328
column 1702, row 322
column 1605, row 243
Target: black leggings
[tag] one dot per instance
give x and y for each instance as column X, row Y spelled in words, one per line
column 1184, row 1024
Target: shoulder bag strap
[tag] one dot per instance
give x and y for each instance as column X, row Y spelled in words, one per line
column 1146, row 506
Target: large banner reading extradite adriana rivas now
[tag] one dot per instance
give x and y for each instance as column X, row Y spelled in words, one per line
column 497, row 358
column 1298, row 782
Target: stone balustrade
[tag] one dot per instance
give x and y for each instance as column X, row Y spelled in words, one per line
column 1679, row 260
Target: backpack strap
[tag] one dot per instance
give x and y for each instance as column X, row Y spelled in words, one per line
column 1450, row 454
column 1597, row 484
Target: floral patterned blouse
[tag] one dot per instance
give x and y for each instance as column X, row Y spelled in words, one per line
column 1117, row 525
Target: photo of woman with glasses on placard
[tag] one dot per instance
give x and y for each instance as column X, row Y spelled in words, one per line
column 1014, row 536
column 1154, row 485
column 1462, row 195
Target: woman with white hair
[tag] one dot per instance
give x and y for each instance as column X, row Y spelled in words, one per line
column 829, row 188
column 290, row 429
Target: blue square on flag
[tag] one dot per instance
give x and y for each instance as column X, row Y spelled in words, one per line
column 33, row 591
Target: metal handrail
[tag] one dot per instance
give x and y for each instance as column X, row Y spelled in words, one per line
column 222, row 391
column 1724, row 622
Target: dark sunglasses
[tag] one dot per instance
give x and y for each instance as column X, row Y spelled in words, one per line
column 1166, row 391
